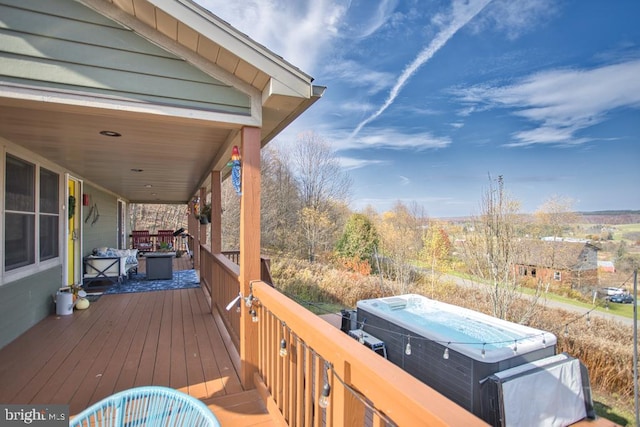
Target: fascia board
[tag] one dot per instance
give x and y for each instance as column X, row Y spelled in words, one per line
column 219, row 31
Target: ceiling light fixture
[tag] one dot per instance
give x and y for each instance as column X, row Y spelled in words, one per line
column 110, row 133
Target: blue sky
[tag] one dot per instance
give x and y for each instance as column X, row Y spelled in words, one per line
column 427, row 98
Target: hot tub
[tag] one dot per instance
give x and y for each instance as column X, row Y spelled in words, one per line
column 453, row 349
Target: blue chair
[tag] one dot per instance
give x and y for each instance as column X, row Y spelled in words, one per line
column 147, row 406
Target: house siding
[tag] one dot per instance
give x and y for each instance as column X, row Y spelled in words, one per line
column 100, row 231
column 25, row 302
column 62, row 44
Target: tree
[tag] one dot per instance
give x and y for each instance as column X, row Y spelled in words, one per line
column 555, row 217
column 230, row 217
column 359, row 239
column 323, row 187
column 315, row 225
column 493, row 248
column 436, row 251
column 400, row 242
column 280, row 202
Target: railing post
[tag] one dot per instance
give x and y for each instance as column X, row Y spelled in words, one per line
column 249, row 249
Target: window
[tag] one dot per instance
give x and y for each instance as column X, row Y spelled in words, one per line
column 533, row 272
column 22, row 214
column 48, row 214
column 557, row 275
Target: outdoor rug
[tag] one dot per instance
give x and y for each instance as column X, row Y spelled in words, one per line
column 182, row 279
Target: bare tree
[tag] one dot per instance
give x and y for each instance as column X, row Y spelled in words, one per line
column 230, row 217
column 318, row 172
column 555, row 217
column 493, row 249
column 280, row 202
column 323, row 186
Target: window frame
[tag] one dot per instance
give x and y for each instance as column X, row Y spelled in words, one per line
column 40, row 263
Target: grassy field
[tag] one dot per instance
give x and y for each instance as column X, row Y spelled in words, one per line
column 622, row 229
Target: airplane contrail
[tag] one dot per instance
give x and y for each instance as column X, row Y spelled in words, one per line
column 461, row 16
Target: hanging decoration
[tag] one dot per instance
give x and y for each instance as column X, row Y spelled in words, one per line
column 236, row 173
column 72, row 206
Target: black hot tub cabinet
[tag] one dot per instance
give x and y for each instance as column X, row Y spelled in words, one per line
column 478, row 345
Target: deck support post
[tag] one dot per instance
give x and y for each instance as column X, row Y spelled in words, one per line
column 192, row 227
column 202, row 231
column 249, row 249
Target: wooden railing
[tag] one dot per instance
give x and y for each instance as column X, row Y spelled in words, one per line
column 365, row 389
column 179, row 242
column 219, row 276
column 265, row 265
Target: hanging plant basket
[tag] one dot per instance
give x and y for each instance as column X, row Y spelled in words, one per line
column 205, row 214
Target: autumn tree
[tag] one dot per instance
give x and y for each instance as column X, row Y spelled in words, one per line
column 400, row 233
column 436, row 252
column 492, row 251
column 358, row 241
column 323, row 187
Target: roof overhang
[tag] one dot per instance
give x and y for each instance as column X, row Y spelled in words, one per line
column 176, row 148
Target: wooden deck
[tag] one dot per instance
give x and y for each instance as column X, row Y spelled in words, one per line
column 165, row 338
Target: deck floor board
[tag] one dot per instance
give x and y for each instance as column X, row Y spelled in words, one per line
column 167, row 338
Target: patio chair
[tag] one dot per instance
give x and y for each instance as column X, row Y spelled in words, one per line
column 166, row 237
column 147, row 406
column 141, row 240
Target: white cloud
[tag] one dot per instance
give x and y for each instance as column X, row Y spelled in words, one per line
column 562, row 102
column 350, row 163
column 393, row 139
column 298, row 31
column 366, row 17
column 514, row 17
column 463, row 12
column 355, row 75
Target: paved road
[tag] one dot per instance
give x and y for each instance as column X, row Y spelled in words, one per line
column 552, row 303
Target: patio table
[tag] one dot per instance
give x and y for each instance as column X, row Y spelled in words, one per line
column 159, row 265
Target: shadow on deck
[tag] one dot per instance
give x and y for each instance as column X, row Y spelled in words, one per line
column 167, row 338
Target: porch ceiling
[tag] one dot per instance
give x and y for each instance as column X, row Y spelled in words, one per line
column 173, row 154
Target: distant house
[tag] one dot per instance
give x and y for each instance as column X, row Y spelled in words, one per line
column 606, row 266
column 559, row 264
